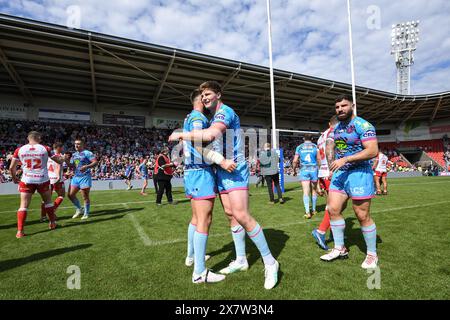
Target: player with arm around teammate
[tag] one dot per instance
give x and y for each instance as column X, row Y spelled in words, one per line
column 233, row 187
column 200, row 188
column 33, row 158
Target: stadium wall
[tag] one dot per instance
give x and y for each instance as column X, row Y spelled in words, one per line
column 412, row 131
column 159, row 116
column 101, row 185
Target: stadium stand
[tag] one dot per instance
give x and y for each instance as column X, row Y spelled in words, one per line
column 111, row 144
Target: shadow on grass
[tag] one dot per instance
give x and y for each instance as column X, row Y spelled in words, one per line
column 69, row 217
column 321, row 207
column 276, row 239
column 77, row 222
column 354, row 236
column 14, row 263
column 287, row 189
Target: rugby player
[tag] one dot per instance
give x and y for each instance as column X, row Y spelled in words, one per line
column 143, row 171
column 309, row 157
column 355, row 144
column 326, row 151
column 55, row 174
column 380, row 168
column 129, row 172
column 200, row 187
column 81, row 161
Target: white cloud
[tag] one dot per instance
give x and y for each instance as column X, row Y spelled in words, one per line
column 309, row 37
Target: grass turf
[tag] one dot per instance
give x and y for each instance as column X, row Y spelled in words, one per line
column 131, row 249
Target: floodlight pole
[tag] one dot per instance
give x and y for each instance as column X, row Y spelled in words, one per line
column 272, row 90
column 405, row 37
column 351, row 54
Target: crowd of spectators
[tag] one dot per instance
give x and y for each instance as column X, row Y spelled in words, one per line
column 116, row 147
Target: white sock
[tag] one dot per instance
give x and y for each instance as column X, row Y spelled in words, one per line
column 241, row 259
column 269, row 260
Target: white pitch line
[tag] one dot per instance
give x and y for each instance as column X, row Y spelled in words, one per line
column 145, row 239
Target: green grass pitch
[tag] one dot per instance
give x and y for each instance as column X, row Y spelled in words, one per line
column 131, row 249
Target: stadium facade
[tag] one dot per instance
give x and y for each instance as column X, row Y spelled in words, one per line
column 53, row 73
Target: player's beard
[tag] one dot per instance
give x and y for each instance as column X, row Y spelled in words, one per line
column 345, row 117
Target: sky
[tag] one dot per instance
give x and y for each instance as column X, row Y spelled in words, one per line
column 309, row 36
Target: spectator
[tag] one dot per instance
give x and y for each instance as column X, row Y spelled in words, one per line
column 258, row 174
column 269, row 162
column 447, row 159
column 164, row 168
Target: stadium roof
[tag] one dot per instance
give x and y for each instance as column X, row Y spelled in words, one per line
column 46, row 60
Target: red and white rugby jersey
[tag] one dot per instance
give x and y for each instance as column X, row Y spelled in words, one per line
column 321, row 144
column 382, row 163
column 34, row 160
column 52, row 168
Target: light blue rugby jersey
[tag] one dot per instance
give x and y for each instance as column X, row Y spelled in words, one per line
column 80, row 159
column 194, row 121
column 348, row 139
column 231, row 145
column 307, row 152
column 143, row 168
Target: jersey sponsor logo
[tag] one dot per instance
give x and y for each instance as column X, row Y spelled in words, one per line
column 369, row 134
column 341, row 144
column 357, row 190
column 219, row 116
column 76, row 162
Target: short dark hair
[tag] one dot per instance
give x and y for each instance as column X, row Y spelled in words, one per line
column 81, row 140
column 343, row 96
column 195, row 94
column 212, row 85
column 57, row 145
column 164, row 149
column 334, row 120
column 307, row 136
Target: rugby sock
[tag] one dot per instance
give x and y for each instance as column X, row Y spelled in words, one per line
column 200, row 240
column 257, row 236
column 50, row 210
column 325, row 224
column 58, row 201
column 21, row 217
column 190, row 247
column 87, row 208
column 338, row 227
column 306, row 203
column 370, row 236
column 76, row 203
column 42, row 209
column 314, row 202
column 239, row 243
